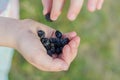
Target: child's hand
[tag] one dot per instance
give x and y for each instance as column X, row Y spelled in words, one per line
column 22, row 35
column 55, row 7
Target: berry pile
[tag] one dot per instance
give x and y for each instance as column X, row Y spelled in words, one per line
column 47, row 17
column 53, row 45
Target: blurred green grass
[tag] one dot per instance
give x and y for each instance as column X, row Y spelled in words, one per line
column 99, row 52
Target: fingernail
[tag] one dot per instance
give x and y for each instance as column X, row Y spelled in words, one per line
column 72, row 17
column 92, row 7
column 54, row 18
column 99, row 7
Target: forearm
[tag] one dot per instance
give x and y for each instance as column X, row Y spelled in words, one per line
column 6, row 34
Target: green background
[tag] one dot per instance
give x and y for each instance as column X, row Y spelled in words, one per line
column 99, row 52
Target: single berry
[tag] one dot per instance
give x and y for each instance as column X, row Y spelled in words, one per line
column 58, row 34
column 49, row 52
column 45, row 41
column 58, row 51
column 52, row 45
column 41, row 34
column 61, row 48
column 52, row 50
column 48, row 47
column 47, row 16
column 58, row 42
column 65, row 41
column 53, row 40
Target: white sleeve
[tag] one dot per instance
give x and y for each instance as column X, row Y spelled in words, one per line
column 3, row 5
column 12, row 9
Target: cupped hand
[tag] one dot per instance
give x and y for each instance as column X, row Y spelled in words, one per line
column 29, row 45
column 55, row 7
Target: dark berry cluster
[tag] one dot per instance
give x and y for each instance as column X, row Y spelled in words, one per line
column 53, row 45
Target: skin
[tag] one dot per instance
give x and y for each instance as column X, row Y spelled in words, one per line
column 55, row 7
column 22, row 36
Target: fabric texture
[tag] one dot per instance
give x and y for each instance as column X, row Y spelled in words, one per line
column 3, row 5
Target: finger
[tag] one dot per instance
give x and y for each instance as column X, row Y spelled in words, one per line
column 92, row 5
column 74, row 47
column 56, row 8
column 47, row 4
column 70, row 35
column 75, row 7
column 99, row 4
column 75, row 42
column 66, row 54
column 70, row 50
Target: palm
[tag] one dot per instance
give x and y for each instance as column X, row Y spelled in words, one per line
column 35, row 53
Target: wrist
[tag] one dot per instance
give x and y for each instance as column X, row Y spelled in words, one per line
column 7, row 37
